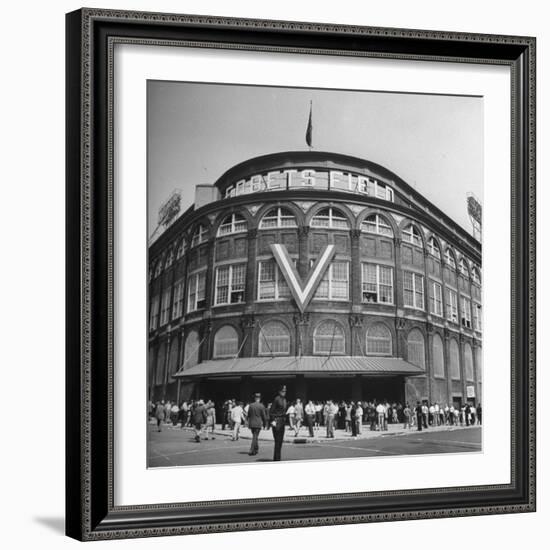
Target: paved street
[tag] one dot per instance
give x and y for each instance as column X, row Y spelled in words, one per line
column 176, row 447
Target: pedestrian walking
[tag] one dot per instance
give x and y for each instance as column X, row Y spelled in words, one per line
column 210, row 420
column 419, row 416
column 353, row 419
column 359, row 417
column 310, row 417
column 407, row 417
column 257, row 419
column 199, row 419
column 425, row 413
column 237, row 417
column 277, row 414
column 298, row 416
column 381, row 414
column 478, row 413
column 291, row 413
column 332, row 411
column 159, row 415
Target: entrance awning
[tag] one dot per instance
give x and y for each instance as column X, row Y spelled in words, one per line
column 254, row 366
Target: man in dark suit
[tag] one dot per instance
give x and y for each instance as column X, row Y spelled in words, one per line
column 199, row 419
column 277, row 414
column 257, row 419
column 419, row 416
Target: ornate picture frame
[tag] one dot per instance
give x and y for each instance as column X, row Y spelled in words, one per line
column 91, row 331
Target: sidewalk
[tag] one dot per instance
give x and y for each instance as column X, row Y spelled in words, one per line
column 320, row 434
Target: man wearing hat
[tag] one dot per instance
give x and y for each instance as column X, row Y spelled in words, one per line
column 257, row 419
column 277, row 414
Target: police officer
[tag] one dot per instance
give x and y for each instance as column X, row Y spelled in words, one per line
column 277, row 414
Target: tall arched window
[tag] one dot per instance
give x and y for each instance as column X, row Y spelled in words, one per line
column 169, row 259
column 200, row 235
column 463, row 268
column 438, row 356
column 234, row 223
column 329, row 339
column 450, row 259
column 479, row 360
column 158, row 268
column 433, row 248
column 379, row 341
column 455, row 359
column 330, row 218
column 476, row 276
column 191, row 350
column 377, row 224
column 412, row 235
column 468, row 362
column 274, row 339
column 181, row 250
column 173, row 359
column 278, row 217
column 416, row 352
column 161, row 360
column 226, row 342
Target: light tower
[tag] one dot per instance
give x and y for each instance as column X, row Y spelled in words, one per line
column 474, row 211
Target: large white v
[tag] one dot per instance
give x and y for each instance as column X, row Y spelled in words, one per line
column 302, row 292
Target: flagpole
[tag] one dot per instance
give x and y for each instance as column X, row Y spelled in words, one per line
column 309, row 129
column 310, row 120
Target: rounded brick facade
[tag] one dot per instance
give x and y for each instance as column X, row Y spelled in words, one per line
column 404, row 283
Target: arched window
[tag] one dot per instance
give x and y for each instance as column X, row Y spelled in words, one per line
column 191, row 350
column 438, row 356
column 278, row 217
column 463, row 268
column 450, row 259
column 476, row 276
column 274, row 339
column 412, row 235
column 329, row 339
column 479, row 360
column 433, row 248
column 200, row 235
column 181, row 250
column 379, row 341
column 158, row 268
column 468, row 362
column 455, row 359
column 173, row 359
column 169, row 259
column 330, row 218
column 234, row 223
column 226, row 342
column 161, row 360
column 377, row 224
column 416, row 349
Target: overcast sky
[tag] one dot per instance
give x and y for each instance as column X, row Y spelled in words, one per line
column 197, row 131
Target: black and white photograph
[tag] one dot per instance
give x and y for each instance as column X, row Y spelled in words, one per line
column 315, row 274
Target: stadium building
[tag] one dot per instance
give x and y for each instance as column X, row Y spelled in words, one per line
column 323, row 271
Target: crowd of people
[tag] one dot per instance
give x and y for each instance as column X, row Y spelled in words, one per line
column 350, row 416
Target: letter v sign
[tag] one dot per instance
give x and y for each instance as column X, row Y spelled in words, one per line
column 301, row 291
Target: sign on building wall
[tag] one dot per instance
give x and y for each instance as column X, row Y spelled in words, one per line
column 315, row 179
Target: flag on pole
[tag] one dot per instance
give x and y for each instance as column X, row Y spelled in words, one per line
column 309, row 131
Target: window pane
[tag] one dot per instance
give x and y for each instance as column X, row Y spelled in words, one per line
column 438, row 356
column 415, row 348
column 379, row 341
column 274, row 339
column 455, row 360
column 329, row 338
column 226, row 342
